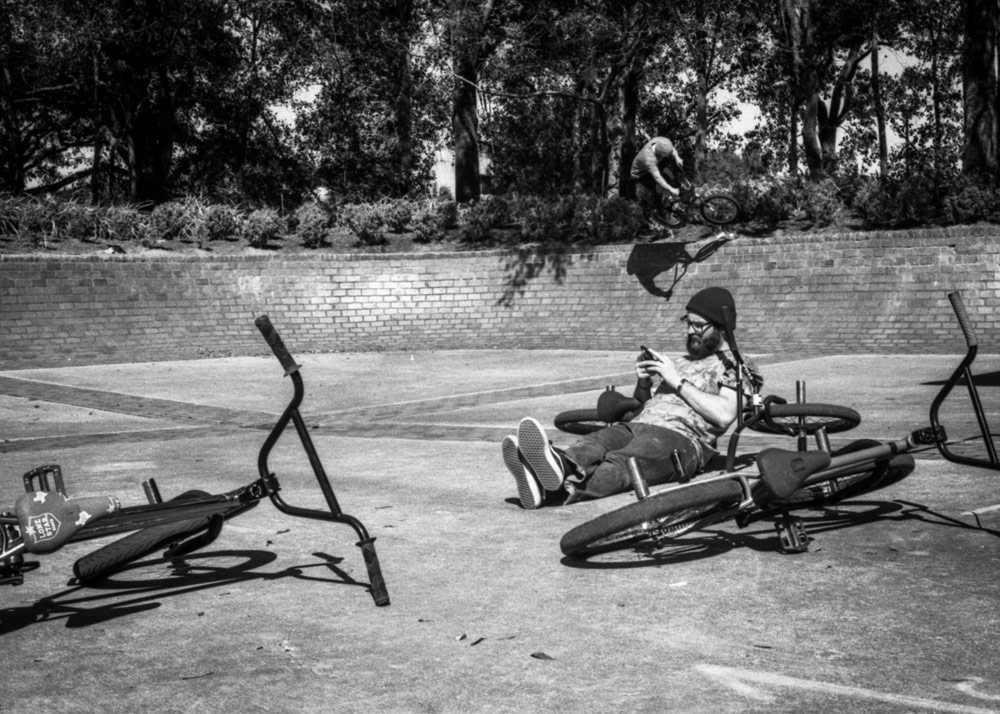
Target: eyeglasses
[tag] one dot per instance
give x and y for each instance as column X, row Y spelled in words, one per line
column 700, row 328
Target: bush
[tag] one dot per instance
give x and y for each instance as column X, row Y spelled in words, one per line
column 261, row 227
column 396, row 214
column 766, row 202
column 366, row 222
column 219, row 222
column 969, row 203
column 123, row 224
column 433, row 219
column 312, row 224
column 820, row 200
column 898, row 203
column 480, row 218
column 168, row 221
column 578, row 219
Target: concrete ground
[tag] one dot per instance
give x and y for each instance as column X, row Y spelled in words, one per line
column 894, row 608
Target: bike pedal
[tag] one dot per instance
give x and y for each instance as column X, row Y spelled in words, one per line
column 929, row 436
column 792, row 534
column 38, row 479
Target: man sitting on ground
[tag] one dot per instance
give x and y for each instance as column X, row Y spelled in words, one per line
column 687, row 403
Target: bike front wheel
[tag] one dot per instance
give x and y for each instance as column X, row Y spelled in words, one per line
column 791, row 419
column 662, row 516
column 720, row 209
column 579, row 421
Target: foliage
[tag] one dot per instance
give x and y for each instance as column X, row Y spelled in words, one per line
column 219, row 222
column 479, row 219
column 970, row 202
column 262, row 226
column 169, row 221
column 311, row 222
column 433, row 219
column 578, row 219
column 366, row 221
column 765, row 202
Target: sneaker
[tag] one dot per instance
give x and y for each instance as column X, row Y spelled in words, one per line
column 529, row 491
column 539, row 455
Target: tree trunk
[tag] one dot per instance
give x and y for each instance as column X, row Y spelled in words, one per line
column 879, row 106
column 151, row 141
column 979, row 85
column 12, row 159
column 811, row 145
column 629, row 147
column 465, row 125
column 404, row 99
column 793, row 137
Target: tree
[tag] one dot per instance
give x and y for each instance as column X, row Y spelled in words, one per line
column 979, row 85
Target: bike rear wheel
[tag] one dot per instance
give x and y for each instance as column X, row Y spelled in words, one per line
column 665, row 515
column 720, row 209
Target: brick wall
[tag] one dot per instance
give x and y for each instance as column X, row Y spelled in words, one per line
column 856, row 292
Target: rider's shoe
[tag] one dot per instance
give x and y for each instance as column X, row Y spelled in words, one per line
column 539, row 455
column 529, row 491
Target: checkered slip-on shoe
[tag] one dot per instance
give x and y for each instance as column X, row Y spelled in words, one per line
column 539, row 455
column 529, row 491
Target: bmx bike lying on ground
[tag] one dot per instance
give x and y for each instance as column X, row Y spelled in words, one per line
column 44, row 519
column 776, row 481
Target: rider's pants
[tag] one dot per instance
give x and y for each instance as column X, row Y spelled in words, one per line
column 602, row 457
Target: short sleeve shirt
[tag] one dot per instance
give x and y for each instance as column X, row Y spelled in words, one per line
column 667, row 409
column 647, row 161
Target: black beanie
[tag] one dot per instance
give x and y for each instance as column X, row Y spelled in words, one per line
column 709, row 303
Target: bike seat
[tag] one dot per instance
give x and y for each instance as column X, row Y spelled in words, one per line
column 783, row 471
column 614, row 406
column 48, row 520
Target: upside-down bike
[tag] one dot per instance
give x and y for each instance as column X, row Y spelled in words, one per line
column 45, row 519
column 776, row 481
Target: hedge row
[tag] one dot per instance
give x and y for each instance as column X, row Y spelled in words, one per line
column 767, row 204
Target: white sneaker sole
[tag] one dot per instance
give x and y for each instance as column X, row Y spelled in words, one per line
column 537, row 453
column 529, row 491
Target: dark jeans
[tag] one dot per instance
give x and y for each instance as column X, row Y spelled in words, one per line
column 602, row 457
column 647, row 192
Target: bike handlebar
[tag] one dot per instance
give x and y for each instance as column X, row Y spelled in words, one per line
column 963, row 318
column 277, row 346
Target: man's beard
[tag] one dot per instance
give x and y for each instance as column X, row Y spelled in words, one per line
column 700, row 347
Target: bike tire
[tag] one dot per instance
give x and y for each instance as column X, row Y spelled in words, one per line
column 790, row 419
column 720, row 209
column 115, row 556
column 884, row 474
column 579, row 421
column 676, row 511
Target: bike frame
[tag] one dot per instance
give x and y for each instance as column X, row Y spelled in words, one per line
column 159, row 513
column 964, row 371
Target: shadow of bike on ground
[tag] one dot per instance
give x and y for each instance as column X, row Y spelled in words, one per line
column 102, row 600
column 761, row 536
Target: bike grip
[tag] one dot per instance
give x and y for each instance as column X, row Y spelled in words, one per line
column 963, row 318
column 378, row 589
column 277, row 346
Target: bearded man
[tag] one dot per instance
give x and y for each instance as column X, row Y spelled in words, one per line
column 687, row 403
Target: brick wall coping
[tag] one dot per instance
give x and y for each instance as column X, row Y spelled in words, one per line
column 895, row 237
